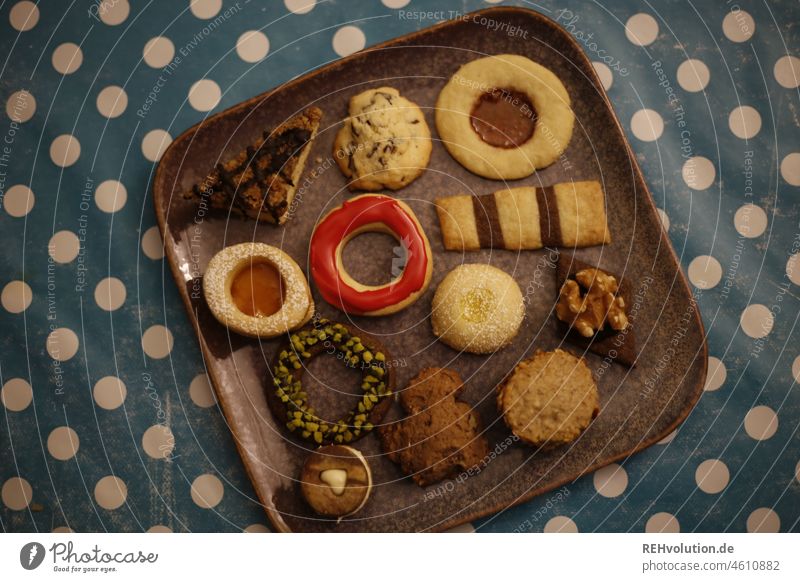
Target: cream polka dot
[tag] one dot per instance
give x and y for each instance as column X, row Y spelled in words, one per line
column 763, row 520
column 793, row 268
column 611, row 480
column 761, row 423
column 252, row 46
column 152, row 245
column 205, row 9
column 348, row 40
column 641, row 29
column 110, row 294
column 110, row 492
column 796, row 369
column 67, row 58
column 201, row 393
column 698, row 173
column 21, row 106
column 790, row 169
column 560, row 524
column 717, row 374
column 16, row 296
column 158, row 441
column 300, row 6
column 757, row 321
column 647, row 125
column 705, row 272
column 738, row 25
column 159, row 529
column 16, row 493
column 693, row 75
column 16, row 395
column 112, row 101
column 664, row 218
column 23, row 15
column 395, row 3
column 63, row 530
column 662, row 522
column 62, row 344
column 712, row 476
column 64, row 246
column 65, row 150
column 668, row 439
column 787, row 72
column 750, row 221
column 157, row 342
column 158, row 52
column 63, row 443
column 204, row 95
column 18, row 201
column 207, row 491
column 113, row 12
column 605, row 74
column 744, row 122
column 155, row 143
column 109, row 392
column 256, row 528
column 110, row 196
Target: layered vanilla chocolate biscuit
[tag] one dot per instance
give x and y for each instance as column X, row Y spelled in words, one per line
column 570, row 214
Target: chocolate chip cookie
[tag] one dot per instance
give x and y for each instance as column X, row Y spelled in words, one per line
column 384, row 143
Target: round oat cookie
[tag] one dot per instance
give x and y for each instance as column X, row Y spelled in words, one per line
column 384, row 143
column 505, row 79
column 549, row 399
column 477, row 309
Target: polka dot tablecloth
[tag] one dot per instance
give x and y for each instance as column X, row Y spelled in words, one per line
column 109, row 423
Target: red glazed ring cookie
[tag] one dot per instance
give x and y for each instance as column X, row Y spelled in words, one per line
column 370, row 213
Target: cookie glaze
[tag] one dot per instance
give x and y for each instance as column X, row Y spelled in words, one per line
column 369, row 213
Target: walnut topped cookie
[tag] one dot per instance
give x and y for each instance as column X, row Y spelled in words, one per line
column 505, row 116
column 384, row 143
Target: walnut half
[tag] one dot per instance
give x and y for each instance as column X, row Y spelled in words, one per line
column 590, row 301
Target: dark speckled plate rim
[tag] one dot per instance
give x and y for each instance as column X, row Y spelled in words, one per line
column 161, row 190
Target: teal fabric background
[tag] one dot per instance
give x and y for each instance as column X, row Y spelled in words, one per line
column 732, row 214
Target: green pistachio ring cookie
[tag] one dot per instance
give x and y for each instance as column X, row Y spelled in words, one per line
column 289, row 401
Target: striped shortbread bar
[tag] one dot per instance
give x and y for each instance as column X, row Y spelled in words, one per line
column 571, row 214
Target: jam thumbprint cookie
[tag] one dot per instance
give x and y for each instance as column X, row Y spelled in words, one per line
column 370, row 213
column 336, row 481
column 505, row 116
column 289, row 401
column 257, row 290
column 477, row 309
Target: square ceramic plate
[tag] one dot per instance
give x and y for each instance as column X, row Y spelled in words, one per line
column 639, row 406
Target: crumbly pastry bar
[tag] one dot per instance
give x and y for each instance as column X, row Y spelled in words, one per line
column 260, row 182
column 570, row 214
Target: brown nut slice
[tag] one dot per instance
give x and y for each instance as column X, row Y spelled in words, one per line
column 336, row 481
